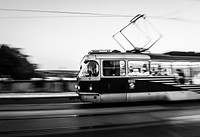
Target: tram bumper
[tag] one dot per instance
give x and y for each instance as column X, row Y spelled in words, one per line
column 89, row 97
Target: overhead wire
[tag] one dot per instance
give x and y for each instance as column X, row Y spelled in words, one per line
column 66, row 12
column 73, row 14
column 179, row 10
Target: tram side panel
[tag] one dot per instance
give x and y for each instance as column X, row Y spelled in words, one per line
column 147, row 89
column 139, row 91
column 127, row 90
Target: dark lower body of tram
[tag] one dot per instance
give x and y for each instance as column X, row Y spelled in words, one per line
column 110, row 90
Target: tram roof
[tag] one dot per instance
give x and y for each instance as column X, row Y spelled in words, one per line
column 170, row 56
column 175, row 57
column 120, row 55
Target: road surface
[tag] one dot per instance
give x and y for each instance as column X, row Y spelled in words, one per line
column 108, row 120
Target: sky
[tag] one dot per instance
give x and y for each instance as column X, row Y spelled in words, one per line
column 58, row 33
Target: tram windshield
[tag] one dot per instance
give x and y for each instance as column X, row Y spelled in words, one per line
column 89, row 69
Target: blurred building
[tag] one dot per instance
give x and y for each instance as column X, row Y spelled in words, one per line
column 61, row 80
column 57, row 73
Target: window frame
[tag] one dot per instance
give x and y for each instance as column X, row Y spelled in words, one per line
column 123, row 68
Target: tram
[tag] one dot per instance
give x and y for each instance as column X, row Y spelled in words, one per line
column 113, row 76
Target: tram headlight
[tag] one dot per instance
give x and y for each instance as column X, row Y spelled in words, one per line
column 90, row 87
column 77, row 87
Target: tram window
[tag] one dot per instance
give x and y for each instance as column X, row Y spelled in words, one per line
column 195, row 72
column 184, row 66
column 114, row 68
column 194, row 68
column 89, row 69
column 137, row 68
column 161, row 68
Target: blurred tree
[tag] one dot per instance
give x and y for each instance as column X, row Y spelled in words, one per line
column 14, row 64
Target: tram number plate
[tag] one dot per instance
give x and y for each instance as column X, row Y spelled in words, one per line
column 131, row 83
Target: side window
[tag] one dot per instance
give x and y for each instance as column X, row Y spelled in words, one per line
column 114, row 68
column 195, row 69
column 161, row 68
column 138, row 68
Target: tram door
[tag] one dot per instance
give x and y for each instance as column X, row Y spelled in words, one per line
column 113, row 82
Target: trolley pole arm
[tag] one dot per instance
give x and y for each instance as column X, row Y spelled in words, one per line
column 133, row 20
column 118, row 42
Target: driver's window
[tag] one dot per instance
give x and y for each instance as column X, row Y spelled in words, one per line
column 93, row 69
column 89, row 69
